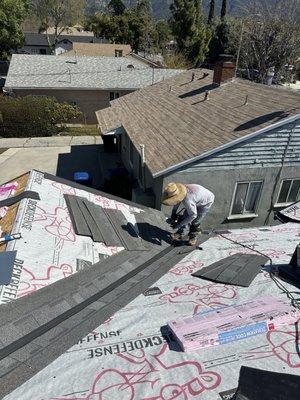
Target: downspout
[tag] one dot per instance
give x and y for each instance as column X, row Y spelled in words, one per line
column 142, row 148
column 278, row 177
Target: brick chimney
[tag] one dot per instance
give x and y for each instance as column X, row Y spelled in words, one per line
column 224, row 71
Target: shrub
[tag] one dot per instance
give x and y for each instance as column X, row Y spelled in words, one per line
column 34, row 116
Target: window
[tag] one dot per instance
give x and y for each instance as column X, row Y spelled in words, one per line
column 73, row 103
column 43, row 51
column 289, row 191
column 246, row 198
column 113, row 96
column 118, row 53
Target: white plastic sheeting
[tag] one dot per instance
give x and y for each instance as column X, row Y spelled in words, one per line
column 49, row 250
column 128, row 358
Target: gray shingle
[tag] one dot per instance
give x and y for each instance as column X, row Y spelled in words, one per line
column 103, row 73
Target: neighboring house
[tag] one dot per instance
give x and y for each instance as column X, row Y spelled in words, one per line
column 69, row 48
column 36, row 43
column 88, row 82
column 237, row 138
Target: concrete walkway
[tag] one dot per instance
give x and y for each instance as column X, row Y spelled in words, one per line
column 60, row 156
column 52, row 141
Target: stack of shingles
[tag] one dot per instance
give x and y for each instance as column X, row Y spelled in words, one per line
column 102, row 225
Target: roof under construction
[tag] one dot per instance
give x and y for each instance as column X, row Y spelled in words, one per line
column 82, row 319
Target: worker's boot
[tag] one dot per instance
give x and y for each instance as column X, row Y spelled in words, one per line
column 192, row 241
column 195, row 230
column 176, row 237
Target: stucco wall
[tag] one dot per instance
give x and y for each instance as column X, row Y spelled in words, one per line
column 222, row 184
column 88, row 101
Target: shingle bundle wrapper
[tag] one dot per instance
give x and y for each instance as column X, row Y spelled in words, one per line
column 231, row 323
column 239, row 269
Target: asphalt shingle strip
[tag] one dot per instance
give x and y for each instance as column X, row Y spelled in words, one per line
column 125, row 230
column 93, row 227
column 79, row 223
column 7, row 259
column 27, row 194
column 110, row 238
column 238, row 269
column 264, row 385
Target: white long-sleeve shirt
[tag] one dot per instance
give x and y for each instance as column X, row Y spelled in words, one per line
column 196, row 196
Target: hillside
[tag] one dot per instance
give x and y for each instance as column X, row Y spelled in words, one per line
column 160, row 8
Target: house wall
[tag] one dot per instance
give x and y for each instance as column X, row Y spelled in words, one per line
column 35, row 49
column 222, row 184
column 257, row 159
column 88, row 101
column 62, row 47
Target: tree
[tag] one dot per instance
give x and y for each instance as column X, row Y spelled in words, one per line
column 116, row 7
column 220, row 41
column 190, row 32
column 12, row 14
column 102, row 25
column 57, row 14
column 164, row 34
column 223, row 9
column 211, row 13
column 270, row 39
column 143, row 7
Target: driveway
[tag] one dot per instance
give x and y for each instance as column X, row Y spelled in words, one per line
column 60, row 156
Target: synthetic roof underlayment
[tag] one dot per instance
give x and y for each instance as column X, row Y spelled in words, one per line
column 175, row 116
column 94, row 73
column 129, row 356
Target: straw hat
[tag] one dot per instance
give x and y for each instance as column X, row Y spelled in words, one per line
column 173, row 194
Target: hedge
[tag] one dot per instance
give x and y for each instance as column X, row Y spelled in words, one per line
column 34, row 116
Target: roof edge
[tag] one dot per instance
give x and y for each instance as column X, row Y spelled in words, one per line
column 226, row 146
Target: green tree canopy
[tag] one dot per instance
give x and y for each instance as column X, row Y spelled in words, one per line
column 57, row 14
column 116, row 7
column 190, row 31
column 12, row 14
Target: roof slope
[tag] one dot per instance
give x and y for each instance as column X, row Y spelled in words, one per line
column 174, row 115
column 104, row 73
column 64, row 284
column 131, row 355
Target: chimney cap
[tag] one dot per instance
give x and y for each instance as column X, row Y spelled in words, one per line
column 226, row 57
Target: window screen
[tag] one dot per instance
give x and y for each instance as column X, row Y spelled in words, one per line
column 246, row 198
column 114, row 95
column 289, row 191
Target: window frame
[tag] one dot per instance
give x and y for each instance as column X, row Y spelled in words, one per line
column 118, row 53
column 287, row 203
column 113, row 94
column 243, row 214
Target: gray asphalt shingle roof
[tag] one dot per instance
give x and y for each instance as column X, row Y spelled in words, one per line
column 47, row 71
column 40, row 39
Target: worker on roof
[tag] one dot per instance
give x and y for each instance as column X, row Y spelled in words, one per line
column 195, row 200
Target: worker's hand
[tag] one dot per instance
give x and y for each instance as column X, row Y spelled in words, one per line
column 173, row 222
